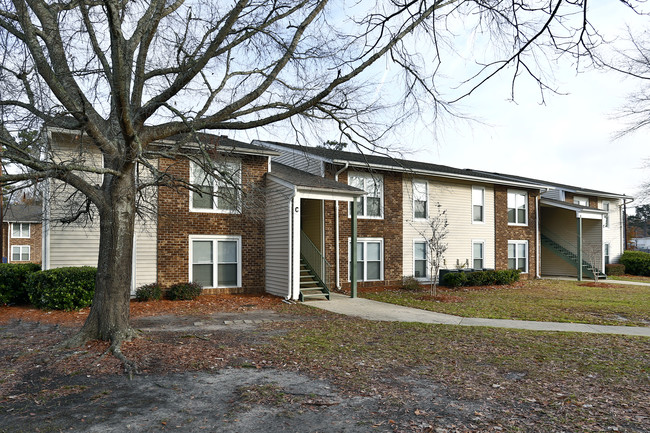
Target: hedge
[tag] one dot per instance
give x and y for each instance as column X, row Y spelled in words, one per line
column 636, row 263
column 148, row 292
column 184, row 292
column 13, row 282
column 481, row 278
column 62, row 288
column 615, row 269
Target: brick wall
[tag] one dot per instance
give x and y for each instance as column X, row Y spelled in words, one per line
column 593, row 201
column 176, row 223
column 504, row 232
column 34, row 241
column 389, row 228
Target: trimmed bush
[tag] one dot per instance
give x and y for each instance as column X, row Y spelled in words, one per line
column 411, row 283
column 636, row 263
column 62, row 288
column 615, row 269
column 13, row 282
column 481, row 278
column 148, row 292
column 184, row 292
column 455, row 279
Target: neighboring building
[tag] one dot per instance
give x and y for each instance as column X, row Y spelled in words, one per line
column 642, row 244
column 290, row 231
column 22, row 227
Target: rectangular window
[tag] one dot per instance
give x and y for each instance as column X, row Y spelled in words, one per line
column 20, row 230
column 478, row 204
column 478, row 248
column 218, row 192
column 517, row 208
column 215, row 261
column 581, row 201
column 372, row 204
column 20, row 253
column 370, row 259
column 420, row 259
column 420, row 199
column 518, row 255
column 606, row 253
column 605, row 205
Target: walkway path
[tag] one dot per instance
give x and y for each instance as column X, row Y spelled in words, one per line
column 375, row 310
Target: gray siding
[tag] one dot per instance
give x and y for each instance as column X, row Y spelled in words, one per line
column 277, row 239
column 300, row 160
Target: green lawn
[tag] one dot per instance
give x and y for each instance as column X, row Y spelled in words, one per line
column 635, row 278
column 544, row 300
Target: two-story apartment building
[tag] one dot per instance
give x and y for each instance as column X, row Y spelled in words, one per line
column 23, row 232
column 282, row 221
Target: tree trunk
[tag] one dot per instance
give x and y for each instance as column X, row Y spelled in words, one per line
column 109, row 314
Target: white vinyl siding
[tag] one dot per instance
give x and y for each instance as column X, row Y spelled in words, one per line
column 420, row 263
column 420, row 199
column 478, row 254
column 277, row 239
column 455, row 197
column 372, row 204
column 20, row 230
column 518, row 255
column 215, row 261
column 20, row 253
column 605, row 207
column 370, row 259
column 218, row 192
column 478, row 204
column 517, row 208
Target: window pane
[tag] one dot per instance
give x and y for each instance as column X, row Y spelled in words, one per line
column 202, row 200
column 419, row 251
column 511, row 263
column 478, row 213
column 227, row 274
column 15, row 232
column 373, row 206
column 202, row 274
column 227, row 198
column 478, row 250
column 227, row 251
column 374, row 252
column 478, row 263
column 521, row 216
column 419, row 209
column 15, row 254
column 511, row 216
column 356, row 182
column 511, row 250
column 202, row 252
column 373, row 271
column 420, row 191
column 521, row 250
column 420, row 268
column 522, row 265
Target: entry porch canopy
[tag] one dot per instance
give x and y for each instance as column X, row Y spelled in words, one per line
column 286, row 188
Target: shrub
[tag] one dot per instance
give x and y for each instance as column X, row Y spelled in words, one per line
column 184, row 292
column 410, row 283
column 636, row 262
column 506, row 276
column 615, row 269
column 13, row 282
column 454, row 279
column 148, row 292
column 62, row 288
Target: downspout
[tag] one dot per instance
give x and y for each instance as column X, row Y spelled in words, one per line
column 336, row 223
column 290, row 219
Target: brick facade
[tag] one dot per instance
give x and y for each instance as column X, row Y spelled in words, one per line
column 390, row 229
column 504, row 232
column 176, row 223
column 35, row 242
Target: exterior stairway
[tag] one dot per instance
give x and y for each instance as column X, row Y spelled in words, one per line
column 311, row 287
column 571, row 258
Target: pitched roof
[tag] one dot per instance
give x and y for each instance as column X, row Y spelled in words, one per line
column 301, row 178
column 25, row 213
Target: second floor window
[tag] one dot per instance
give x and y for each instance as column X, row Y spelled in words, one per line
column 517, row 208
column 420, row 199
column 478, row 204
column 20, row 230
column 372, row 204
column 606, row 216
column 218, row 192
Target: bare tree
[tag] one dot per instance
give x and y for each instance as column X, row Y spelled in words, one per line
column 126, row 75
column 593, row 253
column 434, row 233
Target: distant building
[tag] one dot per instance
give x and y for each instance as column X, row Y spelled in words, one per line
column 23, row 233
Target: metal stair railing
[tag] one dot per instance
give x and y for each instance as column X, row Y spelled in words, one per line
column 561, row 250
column 314, row 260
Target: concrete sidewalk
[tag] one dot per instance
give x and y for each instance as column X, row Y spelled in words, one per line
column 381, row 311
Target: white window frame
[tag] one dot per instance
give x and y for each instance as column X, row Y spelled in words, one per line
column 578, row 199
column 607, row 249
column 482, row 243
column 20, row 249
column 215, row 188
column 426, row 258
column 21, row 230
column 215, row 239
column 605, row 206
column 365, row 242
column 516, row 193
column 476, row 190
column 426, row 198
column 516, row 243
column 363, row 205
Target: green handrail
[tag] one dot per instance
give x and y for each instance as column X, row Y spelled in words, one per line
column 314, row 259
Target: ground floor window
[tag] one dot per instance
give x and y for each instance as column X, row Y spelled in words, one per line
column 370, row 259
column 518, row 255
column 215, row 261
column 420, row 259
column 606, row 254
column 20, row 253
column 478, row 259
